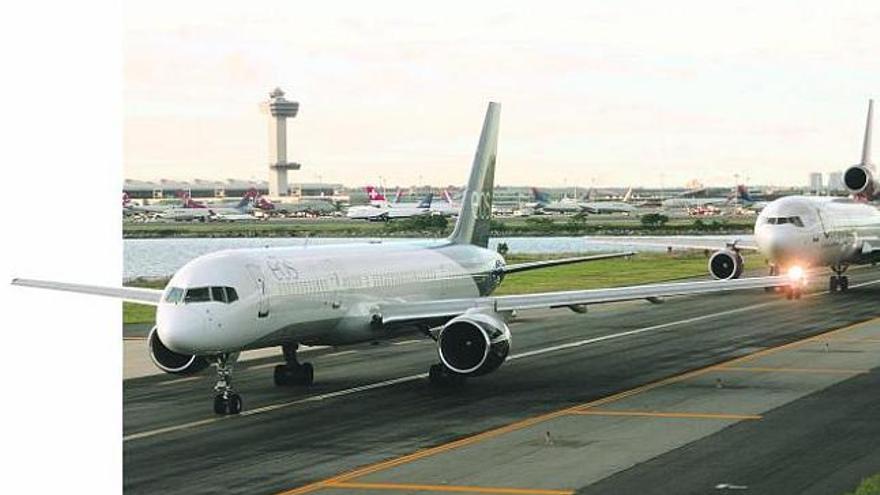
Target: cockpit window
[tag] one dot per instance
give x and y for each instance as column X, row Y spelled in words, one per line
column 231, row 295
column 175, row 294
column 218, row 294
column 796, row 221
column 197, row 294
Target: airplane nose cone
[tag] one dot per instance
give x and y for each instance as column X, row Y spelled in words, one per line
column 778, row 245
column 181, row 330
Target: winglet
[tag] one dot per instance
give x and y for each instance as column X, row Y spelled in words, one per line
column 472, row 226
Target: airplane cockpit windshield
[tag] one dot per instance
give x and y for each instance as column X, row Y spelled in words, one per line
column 796, row 221
column 176, row 295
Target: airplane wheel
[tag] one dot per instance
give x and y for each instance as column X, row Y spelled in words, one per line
column 286, row 376
column 833, row 284
column 226, row 405
column 844, row 283
column 307, row 374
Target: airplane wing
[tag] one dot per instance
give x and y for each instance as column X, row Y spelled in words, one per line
column 533, row 265
column 411, row 312
column 870, row 245
column 130, row 294
column 677, row 242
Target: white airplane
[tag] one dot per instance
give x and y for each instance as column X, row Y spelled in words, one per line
column 222, row 303
column 685, row 200
column 599, row 207
column 798, row 232
column 572, row 205
column 376, row 211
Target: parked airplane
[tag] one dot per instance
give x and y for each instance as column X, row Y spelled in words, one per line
column 797, row 232
column 691, row 199
column 599, row 207
column 572, row 205
column 378, row 211
column 222, row 303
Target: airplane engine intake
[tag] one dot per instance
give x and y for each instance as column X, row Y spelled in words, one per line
column 172, row 362
column 474, row 344
column 859, row 179
column 726, row 264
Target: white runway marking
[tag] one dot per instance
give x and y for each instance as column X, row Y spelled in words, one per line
column 407, row 342
column 180, row 380
column 340, row 353
column 421, row 376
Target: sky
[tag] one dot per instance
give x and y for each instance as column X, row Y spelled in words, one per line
column 593, row 92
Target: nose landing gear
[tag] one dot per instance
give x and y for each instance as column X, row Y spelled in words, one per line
column 838, row 282
column 293, row 373
column 226, row 401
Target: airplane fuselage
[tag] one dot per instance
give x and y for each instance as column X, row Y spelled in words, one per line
column 313, row 295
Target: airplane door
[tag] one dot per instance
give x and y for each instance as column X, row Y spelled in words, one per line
column 260, row 281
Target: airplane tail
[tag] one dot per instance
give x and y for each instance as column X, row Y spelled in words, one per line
column 540, row 197
column 426, row 201
column 398, row 195
column 742, row 192
column 866, row 145
column 472, row 226
column 448, row 197
column 374, row 194
column 628, row 196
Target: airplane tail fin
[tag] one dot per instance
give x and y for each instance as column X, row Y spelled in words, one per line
column 540, row 197
column 743, row 193
column 866, row 145
column 426, row 201
column 473, row 222
column 373, row 194
column 628, row 196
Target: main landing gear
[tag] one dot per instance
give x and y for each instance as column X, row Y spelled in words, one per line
column 225, row 401
column 774, row 270
column 293, row 373
column 441, row 376
column 838, row 282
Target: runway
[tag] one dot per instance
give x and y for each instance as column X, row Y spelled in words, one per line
column 371, row 404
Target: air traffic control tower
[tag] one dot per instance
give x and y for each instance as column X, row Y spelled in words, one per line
column 279, row 110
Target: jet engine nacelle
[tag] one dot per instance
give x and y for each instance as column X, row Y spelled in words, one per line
column 860, row 180
column 726, row 264
column 173, row 362
column 474, row 344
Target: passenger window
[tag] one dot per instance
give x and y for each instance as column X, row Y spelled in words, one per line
column 218, row 294
column 199, row 294
column 231, row 296
column 174, row 295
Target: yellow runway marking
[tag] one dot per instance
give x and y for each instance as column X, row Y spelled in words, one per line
column 448, row 488
column 854, row 340
column 525, row 423
column 659, row 414
column 763, row 369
